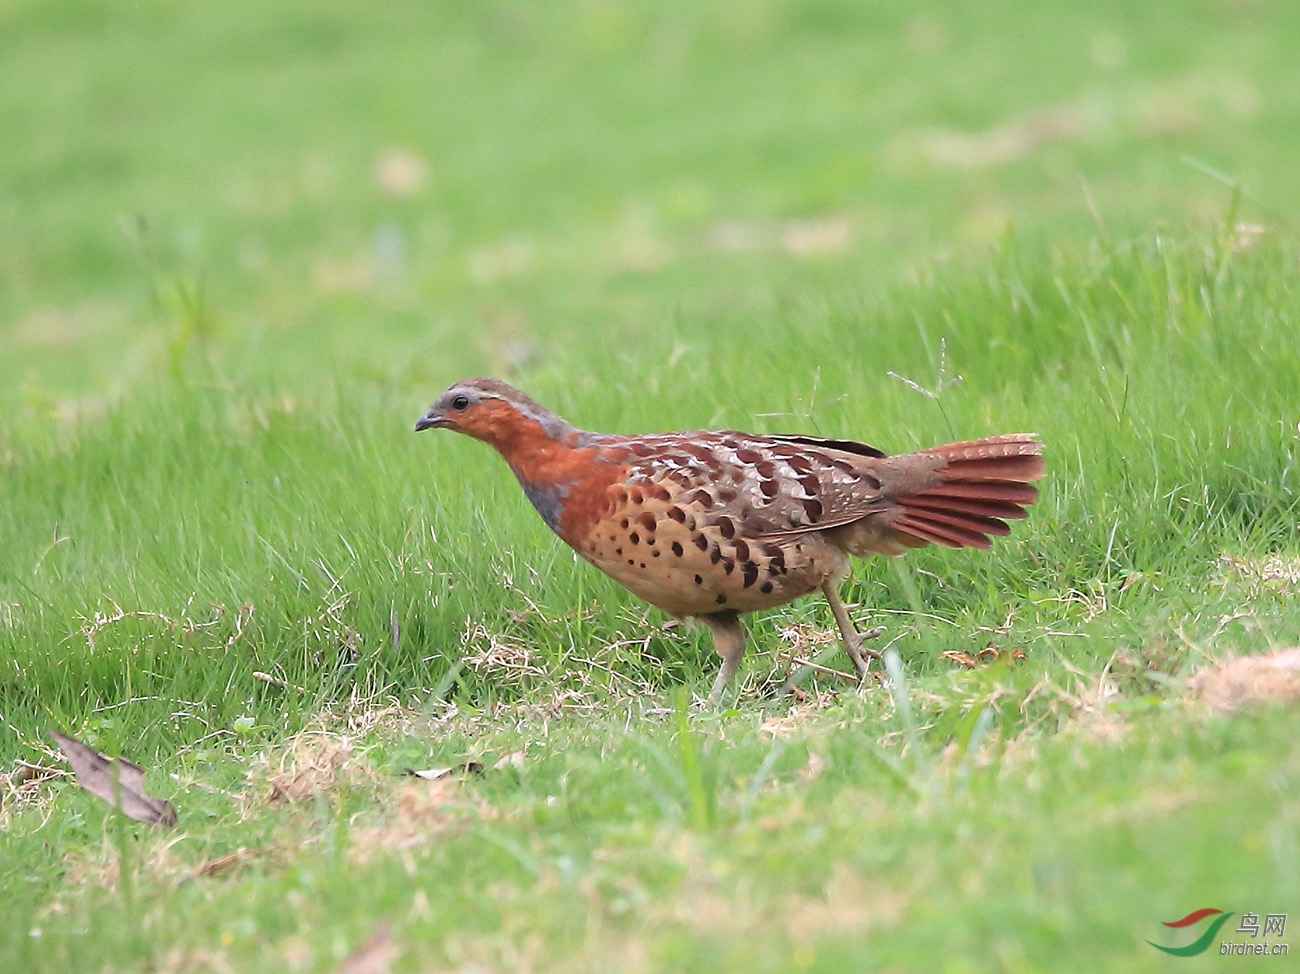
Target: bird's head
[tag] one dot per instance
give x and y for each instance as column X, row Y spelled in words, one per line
column 491, row 410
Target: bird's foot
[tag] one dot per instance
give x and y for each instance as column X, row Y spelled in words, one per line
column 860, row 652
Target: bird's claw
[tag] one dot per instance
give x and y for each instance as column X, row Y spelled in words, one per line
column 859, row 651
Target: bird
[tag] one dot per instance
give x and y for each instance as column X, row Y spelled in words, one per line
column 712, row 524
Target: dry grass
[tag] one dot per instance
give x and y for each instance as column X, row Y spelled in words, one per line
column 1094, row 719
column 311, row 765
column 27, row 787
column 1276, row 572
column 414, row 813
column 1269, row 678
column 499, row 660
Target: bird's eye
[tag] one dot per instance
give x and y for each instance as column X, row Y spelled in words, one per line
column 460, row 402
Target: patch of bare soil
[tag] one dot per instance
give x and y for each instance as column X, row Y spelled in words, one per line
column 1268, row 678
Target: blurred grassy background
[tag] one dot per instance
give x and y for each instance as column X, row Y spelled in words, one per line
column 439, row 188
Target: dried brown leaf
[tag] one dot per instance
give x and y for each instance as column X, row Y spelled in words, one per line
column 116, row 781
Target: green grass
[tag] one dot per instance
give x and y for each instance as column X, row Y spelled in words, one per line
column 589, row 167
column 756, row 215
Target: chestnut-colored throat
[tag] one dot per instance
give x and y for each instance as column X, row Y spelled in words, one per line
column 561, row 479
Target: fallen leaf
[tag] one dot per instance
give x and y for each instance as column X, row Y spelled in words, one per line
column 989, row 654
column 433, row 774
column 429, row 774
column 116, row 781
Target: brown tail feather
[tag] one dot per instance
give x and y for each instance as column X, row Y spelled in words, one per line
column 983, row 483
column 980, row 471
column 1003, row 445
column 996, row 490
column 939, row 533
column 945, row 502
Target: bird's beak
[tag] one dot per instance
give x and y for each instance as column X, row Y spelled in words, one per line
column 430, row 420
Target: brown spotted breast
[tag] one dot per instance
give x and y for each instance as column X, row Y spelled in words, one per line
column 707, row 521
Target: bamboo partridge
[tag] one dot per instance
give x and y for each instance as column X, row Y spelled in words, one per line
column 711, row 524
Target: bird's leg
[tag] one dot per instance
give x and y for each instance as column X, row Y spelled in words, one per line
column 854, row 642
column 729, row 643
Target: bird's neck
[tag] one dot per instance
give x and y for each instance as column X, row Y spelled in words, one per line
column 560, row 468
column 531, row 445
